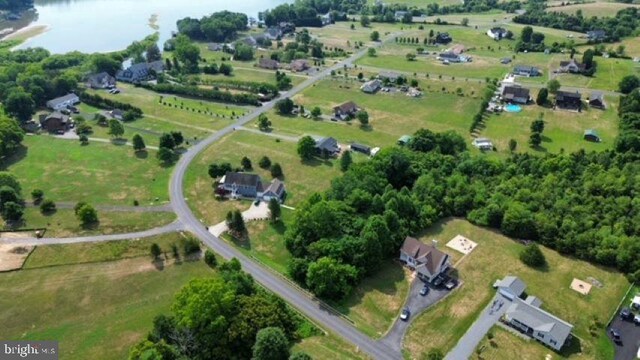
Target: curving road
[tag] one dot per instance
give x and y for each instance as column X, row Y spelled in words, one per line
column 278, row 285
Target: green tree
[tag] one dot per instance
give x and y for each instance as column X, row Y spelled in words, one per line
column 138, row 143
column 178, row 138
column 37, row 195
column 236, row 224
column 365, row 21
column 276, row 171
column 271, row 344
column 264, row 123
column 8, row 194
column 264, row 162
column 167, row 141
column 535, row 139
column 153, row 53
column 410, row 56
column 628, row 84
column 191, row 245
column 371, row 52
column 47, row 206
column 306, row 147
column 84, row 139
column 218, row 170
column 274, row 209
column 464, row 22
column 435, row 354
column 210, row 258
column 330, row 279
column 115, row 128
column 243, row 52
column 225, row 69
column 284, row 106
column 375, row 36
column 532, row 256
column 537, row 126
column 87, row 215
column 155, row 251
column 165, row 155
column 246, row 163
column 553, row 86
column 11, row 135
column 187, row 53
column 300, row 356
column 363, row 117
column 513, row 144
column 316, row 112
column 542, row 97
column 345, row 160
column 12, row 211
column 19, row 104
column 526, row 34
column 10, row 180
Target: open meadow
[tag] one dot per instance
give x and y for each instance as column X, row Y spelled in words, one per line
column 497, row 256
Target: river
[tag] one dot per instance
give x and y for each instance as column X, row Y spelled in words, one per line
column 109, row 25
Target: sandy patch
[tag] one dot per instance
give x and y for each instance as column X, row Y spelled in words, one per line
column 462, row 244
column 580, row 286
column 12, row 257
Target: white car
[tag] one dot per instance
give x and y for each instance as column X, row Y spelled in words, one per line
column 636, row 320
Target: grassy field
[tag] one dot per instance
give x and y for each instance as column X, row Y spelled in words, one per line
column 497, row 256
column 598, row 9
column 300, row 179
column 98, row 308
column 99, row 173
column 507, row 346
column 563, row 129
column 63, row 223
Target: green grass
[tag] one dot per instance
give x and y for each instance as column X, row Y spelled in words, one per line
column 495, row 257
column 300, row 179
column 63, row 223
column 598, row 9
column 99, row 173
column 563, row 129
column 328, row 347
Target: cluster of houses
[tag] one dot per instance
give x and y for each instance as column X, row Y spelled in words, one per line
column 298, row 65
column 239, row 185
column 527, row 316
column 390, row 78
column 59, row 120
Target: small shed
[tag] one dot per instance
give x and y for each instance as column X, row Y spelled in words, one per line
column 591, row 135
column 404, row 140
column 360, row 148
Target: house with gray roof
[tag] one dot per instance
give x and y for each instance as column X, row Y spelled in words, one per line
column 327, row 146
column 100, row 81
column 237, row 185
column 275, row 190
column 140, row 72
column 427, row 260
column 371, row 87
column 525, row 70
column 526, row 316
column 596, row 100
column 515, row 94
column 63, row 102
column 392, row 76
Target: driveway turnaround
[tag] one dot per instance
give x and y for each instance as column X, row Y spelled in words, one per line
column 416, row 304
column 630, row 335
column 489, row 316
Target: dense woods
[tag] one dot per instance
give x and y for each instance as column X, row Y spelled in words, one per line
column 13, row 5
column 581, row 204
column 219, row 26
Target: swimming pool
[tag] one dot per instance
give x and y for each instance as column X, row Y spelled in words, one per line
column 512, row 108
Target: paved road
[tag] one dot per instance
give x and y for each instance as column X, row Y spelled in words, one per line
column 276, row 284
column 489, row 316
column 173, row 227
column 630, row 335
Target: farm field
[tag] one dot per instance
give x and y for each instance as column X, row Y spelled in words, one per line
column 63, row 223
column 598, row 9
column 300, row 179
column 497, row 256
column 99, row 173
column 563, row 129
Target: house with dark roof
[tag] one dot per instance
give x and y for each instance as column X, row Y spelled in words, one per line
column 63, row 102
column 56, row 122
column 525, row 70
column 327, row 147
column 449, row 57
column 427, row 260
column 275, row 190
column 100, row 81
column 596, row 100
column 569, row 100
column 300, row 65
column 596, row 35
column 345, row 111
column 245, row 185
column 360, row 148
column 269, row 64
column 371, row 87
column 497, row 33
column 591, row 135
column 526, row 315
column 443, row 38
column 571, row 66
column 140, row 72
column 515, row 94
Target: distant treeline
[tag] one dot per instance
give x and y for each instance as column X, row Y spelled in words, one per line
column 13, row 5
column 220, row 26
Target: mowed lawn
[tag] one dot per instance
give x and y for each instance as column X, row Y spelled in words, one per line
column 563, row 129
column 390, row 115
column 99, row 173
column 497, row 256
column 301, row 179
column 598, row 9
column 64, row 223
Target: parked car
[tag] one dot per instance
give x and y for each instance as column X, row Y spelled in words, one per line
column 452, row 283
column 424, row 291
column 439, row 280
column 615, row 334
column 626, row 314
column 404, row 316
column 636, row 320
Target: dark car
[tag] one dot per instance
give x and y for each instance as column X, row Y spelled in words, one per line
column 404, row 316
column 424, row 291
column 439, row 280
column 452, row 283
column 626, row 314
column 615, row 334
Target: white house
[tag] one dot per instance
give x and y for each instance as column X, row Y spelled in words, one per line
column 427, row 260
column 482, row 143
column 63, row 102
column 497, row 33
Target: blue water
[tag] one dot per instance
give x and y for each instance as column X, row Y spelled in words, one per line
column 512, row 108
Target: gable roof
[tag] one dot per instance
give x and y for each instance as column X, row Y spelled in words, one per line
column 276, row 187
column 572, row 63
column 348, row 107
column 511, row 283
column 371, row 86
column 427, row 254
column 596, row 95
column 329, row 144
column 449, row 55
column 54, row 115
column 242, row 179
column 511, row 92
column 526, row 69
column 534, row 317
column 62, row 99
column 567, row 95
column 268, row 63
column 391, row 75
column 360, row 147
column 498, row 30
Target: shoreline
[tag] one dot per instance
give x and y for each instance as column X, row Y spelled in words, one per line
column 27, row 32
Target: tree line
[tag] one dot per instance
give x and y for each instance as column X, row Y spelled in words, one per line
column 220, row 26
column 208, row 94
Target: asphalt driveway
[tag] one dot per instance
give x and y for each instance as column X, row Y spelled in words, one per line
column 416, row 304
column 630, row 335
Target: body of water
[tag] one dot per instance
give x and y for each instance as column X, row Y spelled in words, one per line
column 109, row 25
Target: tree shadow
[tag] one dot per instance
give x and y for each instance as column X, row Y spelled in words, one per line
column 142, row 154
column 18, row 155
column 158, row 263
column 317, row 161
column 119, row 141
column 49, row 213
column 91, row 226
column 573, row 347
